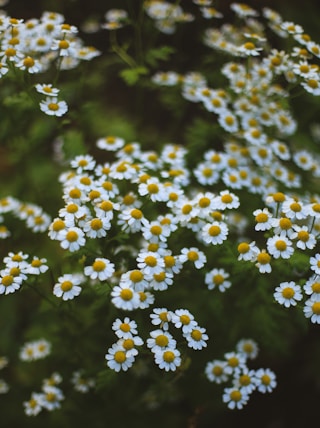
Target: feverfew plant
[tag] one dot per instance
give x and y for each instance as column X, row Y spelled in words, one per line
column 158, row 261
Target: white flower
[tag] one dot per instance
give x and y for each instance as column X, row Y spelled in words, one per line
column 235, row 398
column 215, row 372
column 101, row 269
column 161, row 317
column 214, row 233
column 68, row 287
column 160, row 340
column 33, row 406
column 124, row 297
column 52, row 107
column 279, row 246
column 315, row 263
column 168, row 359
column 266, row 380
column 124, row 328
column 194, row 255
column 72, row 239
column 312, row 309
column 217, row 278
column 196, row 338
column 118, row 359
column 288, row 293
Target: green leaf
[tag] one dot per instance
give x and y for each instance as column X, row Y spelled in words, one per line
column 132, row 75
column 155, row 55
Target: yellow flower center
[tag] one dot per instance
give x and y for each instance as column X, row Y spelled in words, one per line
column 136, row 276
column 71, row 236
column 66, row 285
column 126, row 294
column 128, row 344
column 214, row 230
column 99, row 266
column 316, row 287
column 316, row 308
column 75, row 193
column 96, row 224
column 193, row 256
column 261, row 218
column 218, row 279
column 151, row 261
column 120, row 357
column 204, row 202
column 162, row 340
column 136, row 214
column 53, row 106
column 156, row 230
column 243, row 247
column 7, row 280
column 281, row 245
column 288, row 293
column 217, row 370
column 235, row 395
column 58, row 225
column 63, row 44
column 196, row 335
column 153, row 188
column 168, row 356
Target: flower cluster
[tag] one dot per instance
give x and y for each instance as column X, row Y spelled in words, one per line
column 291, row 226
column 16, row 271
column 33, row 215
column 244, row 381
column 32, row 46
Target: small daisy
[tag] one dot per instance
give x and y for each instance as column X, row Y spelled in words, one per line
column 226, row 200
column 236, row 361
column 266, row 380
column 245, row 381
column 146, row 299
column 52, row 107
column 135, row 279
column 33, row 406
column 150, row 263
column 125, row 328
column 47, row 89
column 96, row 227
column 132, row 219
column 263, row 262
column 37, row 266
column 81, row 383
column 312, row 287
column 248, row 251
column 196, row 338
column 68, row 286
column 294, row 209
column 101, row 269
column 215, row 372
column 315, row 264
column 182, row 318
column 303, row 237
column 228, row 121
column 312, row 309
column 194, row 255
column 235, row 398
column 248, row 347
column 124, row 297
column 72, row 239
column 9, row 283
column 161, row 317
column 279, row 246
column 168, row 359
column 263, row 219
column 160, row 340
column 217, row 278
column 129, row 345
column 118, row 359
column 214, row 233
column 288, row 294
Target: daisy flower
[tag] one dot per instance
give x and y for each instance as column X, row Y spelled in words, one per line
column 125, row 328
column 161, row 317
column 312, row 287
column 47, row 89
column 168, row 359
column 72, row 239
column 217, row 278
column 279, row 246
column 288, row 294
column 129, row 345
column 194, row 255
column 215, row 372
column 248, row 251
column 160, row 340
column 248, row 347
column 150, row 263
column 263, row 262
column 196, row 338
column 118, row 359
column 312, row 309
column 245, row 381
column 235, row 398
column 37, row 266
column 146, row 299
column 135, row 279
column 33, row 406
column 124, row 297
column 182, row 318
column 228, row 121
column 68, row 286
column 96, row 227
column 101, row 269
column 263, row 219
column 315, row 263
column 132, row 219
column 9, row 283
column 304, row 238
column 266, row 380
column 52, row 107
column 236, row 361
column 227, row 200
column 214, row 233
